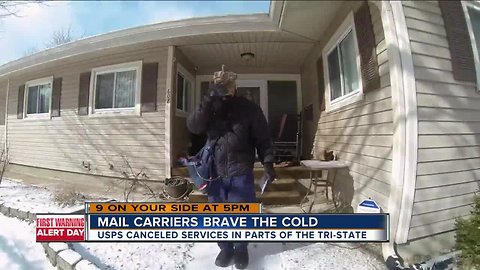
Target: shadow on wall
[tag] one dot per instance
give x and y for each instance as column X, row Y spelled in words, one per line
column 344, row 190
column 448, row 171
column 360, row 133
column 88, row 145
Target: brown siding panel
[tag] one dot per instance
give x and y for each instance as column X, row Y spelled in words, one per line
column 56, row 96
column 366, row 47
column 21, row 95
column 458, row 40
column 83, row 94
column 149, row 87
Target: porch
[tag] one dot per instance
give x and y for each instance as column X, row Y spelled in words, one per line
column 269, row 80
column 275, row 71
column 271, row 68
column 290, row 193
column 277, row 94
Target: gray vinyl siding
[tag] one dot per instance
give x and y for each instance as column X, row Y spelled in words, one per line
column 63, row 143
column 448, row 171
column 361, row 133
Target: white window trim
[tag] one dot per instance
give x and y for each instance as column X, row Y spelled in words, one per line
column 355, row 96
column 41, row 81
column 476, row 6
column 137, row 66
column 186, row 75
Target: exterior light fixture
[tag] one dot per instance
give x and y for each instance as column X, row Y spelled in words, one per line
column 247, row 56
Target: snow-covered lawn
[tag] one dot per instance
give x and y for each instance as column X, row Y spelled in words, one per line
column 18, row 249
column 31, row 198
column 159, row 256
column 196, row 256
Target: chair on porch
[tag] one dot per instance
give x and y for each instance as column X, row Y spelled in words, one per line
column 286, row 143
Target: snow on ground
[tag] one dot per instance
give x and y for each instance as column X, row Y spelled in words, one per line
column 318, row 256
column 159, row 256
column 30, row 198
column 195, row 256
column 18, row 249
column 289, row 256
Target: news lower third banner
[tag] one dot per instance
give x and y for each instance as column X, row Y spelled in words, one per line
column 182, row 222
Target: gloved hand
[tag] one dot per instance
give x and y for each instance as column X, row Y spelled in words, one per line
column 207, row 104
column 217, row 103
column 212, row 104
column 269, row 174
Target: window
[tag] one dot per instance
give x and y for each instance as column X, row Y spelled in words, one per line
column 342, row 67
column 116, row 88
column 473, row 23
column 38, row 94
column 184, row 92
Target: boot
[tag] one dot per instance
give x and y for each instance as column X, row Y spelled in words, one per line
column 224, row 258
column 240, row 258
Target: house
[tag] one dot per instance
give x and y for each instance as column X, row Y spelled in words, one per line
column 391, row 86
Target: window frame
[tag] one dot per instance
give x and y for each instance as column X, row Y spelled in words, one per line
column 37, row 82
column 129, row 66
column 342, row 31
column 476, row 57
column 186, row 76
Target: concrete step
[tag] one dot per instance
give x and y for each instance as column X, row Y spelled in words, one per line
column 280, row 185
column 325, row 207
column 268, row 198
column 294, row 172
column 280, row 197
column 197, row 196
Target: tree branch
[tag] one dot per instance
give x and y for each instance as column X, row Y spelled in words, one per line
column 10, row 8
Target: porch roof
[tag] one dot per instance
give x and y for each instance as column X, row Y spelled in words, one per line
column 289, row 25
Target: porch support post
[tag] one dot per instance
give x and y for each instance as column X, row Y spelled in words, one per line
column 168, row 112
column 6, row 121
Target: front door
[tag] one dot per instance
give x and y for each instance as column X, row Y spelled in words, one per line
column 282, row 99
column 256, row 91
column 275, row 97
column 251, row 93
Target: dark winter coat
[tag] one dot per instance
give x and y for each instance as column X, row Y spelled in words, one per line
column 241, row 128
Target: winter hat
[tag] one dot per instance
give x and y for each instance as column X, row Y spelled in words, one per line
column 224, row 82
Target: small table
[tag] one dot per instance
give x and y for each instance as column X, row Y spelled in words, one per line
column 314, row 166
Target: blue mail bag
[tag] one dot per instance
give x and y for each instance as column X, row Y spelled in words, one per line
column 201, row 167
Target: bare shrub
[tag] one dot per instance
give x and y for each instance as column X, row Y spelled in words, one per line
column 130, row 179
column 3, row 162
column 68, row 197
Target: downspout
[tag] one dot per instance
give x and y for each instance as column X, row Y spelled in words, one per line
column 397, row 84
column 405, row 139
column 411, row 125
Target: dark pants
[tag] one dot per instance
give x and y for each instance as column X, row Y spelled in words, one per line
column 236, row 189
